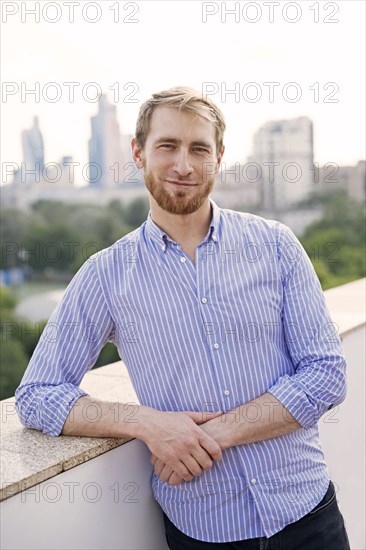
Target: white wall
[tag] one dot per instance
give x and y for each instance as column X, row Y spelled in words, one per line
column 66, row 513
column 342, row 434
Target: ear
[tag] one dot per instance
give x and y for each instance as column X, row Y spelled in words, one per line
column 219, row 159
column 137, row 153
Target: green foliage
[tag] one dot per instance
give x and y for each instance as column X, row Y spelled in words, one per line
column 109, row 354
column 13, row 358
column 13, row 364
column 53, row 212
column 61, row 237
column 13, row 228
column 137, row 212
column 336, row 243
column 7, row 299
column 50, row 246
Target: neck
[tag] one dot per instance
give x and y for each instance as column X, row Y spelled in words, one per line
column 183, row 228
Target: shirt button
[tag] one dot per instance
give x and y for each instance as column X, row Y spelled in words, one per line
column 254, row 481
column 204, row 300
column 163, row 247
column 227, row 392
column 216, row 346
column 214, row 237
column 183, row 259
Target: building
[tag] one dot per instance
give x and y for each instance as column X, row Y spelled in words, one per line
column 22, row 197
column 107, row 154
column 236, row 186
column 33, row 155
column 350, row 179
column 283, row 151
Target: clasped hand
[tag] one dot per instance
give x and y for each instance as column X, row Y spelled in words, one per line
column 185, row 444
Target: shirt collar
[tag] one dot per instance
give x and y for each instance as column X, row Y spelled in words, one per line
column 156, row 234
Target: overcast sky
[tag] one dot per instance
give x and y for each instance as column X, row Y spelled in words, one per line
column 175, row 43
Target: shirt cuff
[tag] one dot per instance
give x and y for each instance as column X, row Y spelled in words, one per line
column 51, row 408
column 296, row 401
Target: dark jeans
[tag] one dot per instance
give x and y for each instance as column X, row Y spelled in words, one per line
column 321, row 529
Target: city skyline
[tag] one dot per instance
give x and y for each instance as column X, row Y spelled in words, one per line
column 231, row 162
column 281, row 174
column 283, row 154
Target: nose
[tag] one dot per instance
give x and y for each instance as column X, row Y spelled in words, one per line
column 182, row 164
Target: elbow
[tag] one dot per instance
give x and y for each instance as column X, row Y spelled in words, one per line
column 337, row 392
column 26, row 398
column 22, row 405
column 44, row 407
column 340, row 386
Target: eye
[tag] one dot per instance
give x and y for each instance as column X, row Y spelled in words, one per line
column 201, row 150
column 167, row 145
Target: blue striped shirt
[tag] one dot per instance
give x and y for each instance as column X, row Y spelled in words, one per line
column 247, row 317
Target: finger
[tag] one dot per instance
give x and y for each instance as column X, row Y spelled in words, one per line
column 175, row 479
column 203, row 458
column 211, row 446
column 201, row 417
column 165, row 473
column 207, row 415
column 179, row 467
column 192, row 465
column 153, row 459
column 182, row 471
column 159, row 465
column 197, row 417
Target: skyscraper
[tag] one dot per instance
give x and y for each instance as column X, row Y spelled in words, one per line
column 284, row 151
column 33, row 154
column 106, row 155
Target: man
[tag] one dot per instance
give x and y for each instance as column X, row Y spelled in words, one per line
column 211, row 310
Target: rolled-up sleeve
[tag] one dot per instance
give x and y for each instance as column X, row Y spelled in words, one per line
column 313, row 343
column 69, row 346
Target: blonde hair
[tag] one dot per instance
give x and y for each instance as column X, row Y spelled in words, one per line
column 185, row 99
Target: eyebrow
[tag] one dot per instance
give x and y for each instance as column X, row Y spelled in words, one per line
column 179, row 141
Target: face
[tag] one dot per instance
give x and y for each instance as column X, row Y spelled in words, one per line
column 179, row 159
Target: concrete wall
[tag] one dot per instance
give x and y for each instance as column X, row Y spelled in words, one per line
column 342, row 434
column 103, row 504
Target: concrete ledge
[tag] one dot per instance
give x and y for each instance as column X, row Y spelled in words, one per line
column 346, row 304
column 29, row 457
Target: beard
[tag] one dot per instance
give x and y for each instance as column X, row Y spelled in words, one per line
column 178, row 201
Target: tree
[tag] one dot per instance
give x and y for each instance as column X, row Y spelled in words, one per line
column 336, row 243
column 51, row 246
column 13, row 227
column 136, row 212
column 13, row 364
column 7, row 299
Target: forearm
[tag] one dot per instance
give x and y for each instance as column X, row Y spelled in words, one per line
column 172, row 435
column 91, row 417
column 262, row 418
